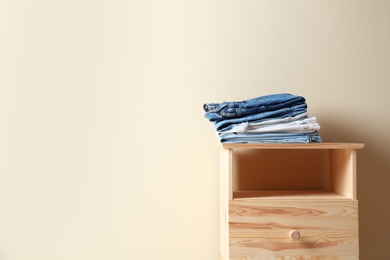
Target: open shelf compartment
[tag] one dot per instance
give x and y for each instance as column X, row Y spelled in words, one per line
column 268, row 171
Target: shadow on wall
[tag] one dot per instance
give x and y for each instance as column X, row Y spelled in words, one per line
column 373, row 178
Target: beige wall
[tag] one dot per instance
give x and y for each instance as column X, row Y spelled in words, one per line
column 104, row 150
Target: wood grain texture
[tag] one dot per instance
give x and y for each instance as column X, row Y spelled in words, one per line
column 279, row 188
column 342, row 172
column 260, row 229
column 289, row 195
column 293, row 146
column 226, row 195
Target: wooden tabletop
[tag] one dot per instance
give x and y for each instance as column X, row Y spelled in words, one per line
column 327, row 145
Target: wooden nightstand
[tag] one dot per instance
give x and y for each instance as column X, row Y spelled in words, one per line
column 288, row 201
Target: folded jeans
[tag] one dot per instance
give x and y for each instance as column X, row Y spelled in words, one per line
column 269, row 137
column 226, row 124
column 251, row 106
column 307, row 125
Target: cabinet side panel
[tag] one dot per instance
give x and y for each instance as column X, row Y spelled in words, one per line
column 343, row 171
column 225, row 195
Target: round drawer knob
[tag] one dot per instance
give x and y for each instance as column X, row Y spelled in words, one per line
column 294, row 235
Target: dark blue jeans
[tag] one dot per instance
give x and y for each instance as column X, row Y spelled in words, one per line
column 215, row 111
column 226, row 124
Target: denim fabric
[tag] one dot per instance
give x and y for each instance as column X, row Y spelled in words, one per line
column 251, row 106
column 314, row 137
column 269, row 138
column 277, row 118
column 307, row 125
column 269, row 122
column 226, row 124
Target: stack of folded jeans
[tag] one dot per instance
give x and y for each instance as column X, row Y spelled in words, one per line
column 276, row 118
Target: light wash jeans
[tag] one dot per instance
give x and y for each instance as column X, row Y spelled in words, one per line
column 269, row 137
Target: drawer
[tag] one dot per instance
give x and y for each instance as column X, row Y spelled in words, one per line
column 260, row 229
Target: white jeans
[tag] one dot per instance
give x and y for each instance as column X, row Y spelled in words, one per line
column 296, row 124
